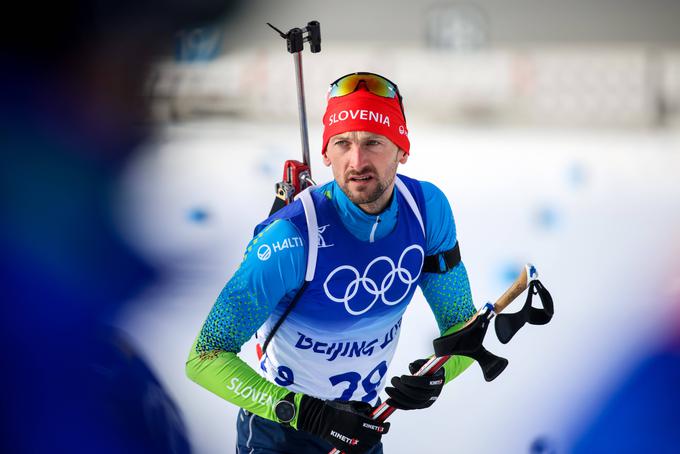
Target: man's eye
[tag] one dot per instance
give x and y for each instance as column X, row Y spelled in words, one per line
column 372, row 142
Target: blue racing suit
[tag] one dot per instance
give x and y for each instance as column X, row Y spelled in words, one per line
column 339, row 339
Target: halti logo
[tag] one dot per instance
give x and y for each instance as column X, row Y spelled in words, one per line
column 264, row 252
column 295, row 241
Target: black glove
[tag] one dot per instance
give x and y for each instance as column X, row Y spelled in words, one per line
column 411, row 392
column 345, row 425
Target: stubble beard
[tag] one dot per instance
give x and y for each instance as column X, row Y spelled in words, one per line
column 361, row 198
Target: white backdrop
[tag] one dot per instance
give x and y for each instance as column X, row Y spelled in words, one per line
column 597, row 212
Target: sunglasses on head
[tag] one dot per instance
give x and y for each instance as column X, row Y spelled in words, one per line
column 374, row 83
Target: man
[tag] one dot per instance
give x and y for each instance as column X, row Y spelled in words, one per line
column 325, row 282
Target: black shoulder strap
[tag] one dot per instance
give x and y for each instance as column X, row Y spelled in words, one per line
column 277, row 205
column 451, row 259
column 290, row 307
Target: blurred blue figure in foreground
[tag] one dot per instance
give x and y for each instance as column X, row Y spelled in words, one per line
column 71, row 112
column 641, row 414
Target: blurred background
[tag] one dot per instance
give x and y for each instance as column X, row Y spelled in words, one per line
column 552, row 127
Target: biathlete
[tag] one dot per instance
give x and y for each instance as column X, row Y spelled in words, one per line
column 324, row 283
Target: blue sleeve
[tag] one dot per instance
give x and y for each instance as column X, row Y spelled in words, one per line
column 272, row 269
column 440, row 228
column 448, row 294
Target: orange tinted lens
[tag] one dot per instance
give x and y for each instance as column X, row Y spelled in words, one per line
column 374, row 83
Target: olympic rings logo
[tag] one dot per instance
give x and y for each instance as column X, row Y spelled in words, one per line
column 371, row 286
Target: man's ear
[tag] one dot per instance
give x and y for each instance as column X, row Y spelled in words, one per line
column 326, row 161
column 403, row 156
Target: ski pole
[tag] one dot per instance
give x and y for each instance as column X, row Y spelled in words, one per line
column 383, row 411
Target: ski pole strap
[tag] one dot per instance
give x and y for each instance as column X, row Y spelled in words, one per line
column 290, row 307
column 468, row 342
column 507, row 325
column 450, row 259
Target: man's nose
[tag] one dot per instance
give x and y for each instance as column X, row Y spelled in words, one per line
column 357, row 156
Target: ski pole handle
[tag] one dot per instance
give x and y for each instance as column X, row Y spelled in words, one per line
column 383, row 411
column 516, row 289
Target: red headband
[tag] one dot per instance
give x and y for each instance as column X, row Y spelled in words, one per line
column 364, row 111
